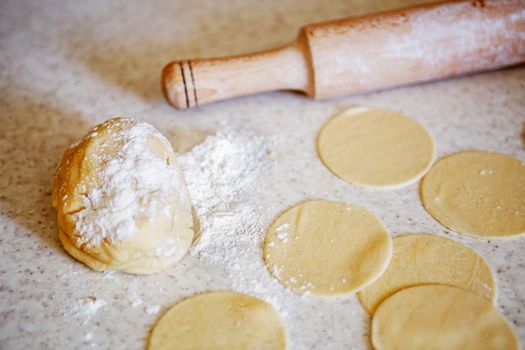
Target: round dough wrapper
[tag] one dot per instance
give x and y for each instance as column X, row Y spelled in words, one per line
column 481, row 194
column 375, row 147
column 121, row 200
column 440, row 317
column 219, row 320
column 327, row 248
column 420, row 259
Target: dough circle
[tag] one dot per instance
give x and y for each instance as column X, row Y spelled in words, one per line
column 327, row 248
column 440, row 317
column 121, row 200
column 481, row 194
column 219, row 320
column 428, row 259
column 375, row 147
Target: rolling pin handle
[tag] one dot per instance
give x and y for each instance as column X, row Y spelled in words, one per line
column 187, row 84
column 178, row 84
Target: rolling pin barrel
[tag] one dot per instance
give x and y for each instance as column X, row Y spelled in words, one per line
column 364, row 54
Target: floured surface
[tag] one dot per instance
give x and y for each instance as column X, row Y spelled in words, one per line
column 66, row 70
column 477, row 193
column 326, row 248
column 420, row 259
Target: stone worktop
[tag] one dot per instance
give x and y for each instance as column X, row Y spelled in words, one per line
column 67, row 65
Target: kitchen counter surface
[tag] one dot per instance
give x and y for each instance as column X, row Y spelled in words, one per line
column 68, row 65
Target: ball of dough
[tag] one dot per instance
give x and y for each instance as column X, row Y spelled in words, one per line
column 481, row 194
column 375, row 147
column 327, row 248
column 429, row 259
column 219, row 320
column 121, row 199
column 440, row 317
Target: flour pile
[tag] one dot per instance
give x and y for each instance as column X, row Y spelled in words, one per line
column 222, row 174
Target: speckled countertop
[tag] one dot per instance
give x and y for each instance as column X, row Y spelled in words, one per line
column 68, row 65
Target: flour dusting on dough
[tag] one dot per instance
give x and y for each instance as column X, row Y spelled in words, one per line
column 135, row 185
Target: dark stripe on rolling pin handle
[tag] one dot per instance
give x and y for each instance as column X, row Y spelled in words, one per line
column 193, row 83
column 181, row 65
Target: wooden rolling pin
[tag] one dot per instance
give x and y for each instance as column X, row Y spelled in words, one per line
column 363, row 54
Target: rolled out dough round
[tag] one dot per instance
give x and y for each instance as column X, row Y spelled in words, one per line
column 428, row 259
column 219, row 320
column 327, row 248
column 440, row 317
column 375, row 147
column 477, row 193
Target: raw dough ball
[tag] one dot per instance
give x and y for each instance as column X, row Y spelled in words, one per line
column 375, row 147
column 121, row 201
column 427, row 259
column 327, row 248
column 440, row 317
column 222, row 320
column 481, row 194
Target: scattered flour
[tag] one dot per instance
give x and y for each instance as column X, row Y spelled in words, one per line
column 83, row 308
column 88, row 340
column 136, row 300
column 222, row 174
column 89, row 306
column 109, row 274
column 282, row 233
column 154, row 309
column 170, row 247
column 485, row 172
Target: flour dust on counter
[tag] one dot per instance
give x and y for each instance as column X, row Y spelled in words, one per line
column 221, row 174
column 225, row 176
column 84, row 308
